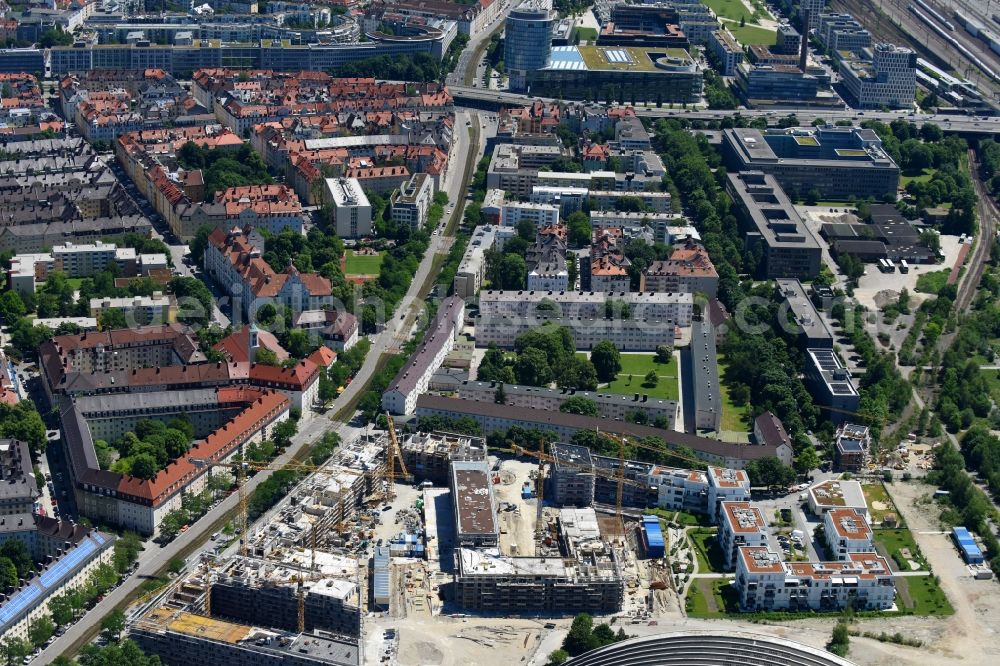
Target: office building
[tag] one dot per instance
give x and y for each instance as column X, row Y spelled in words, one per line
column 811, row 10
column 527, row 40
column 765, row 583
column 847, row 532
column 813, row 331
column 741, row 524
column 842, row 32
column 836, row 162
column 884, row 76
column 831, row 385
column 352, row 213
column 851, row 448
column 789, row 40
column 729, row 52
column 414, row 377
column 771, row 221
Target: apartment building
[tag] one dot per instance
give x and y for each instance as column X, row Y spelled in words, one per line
column 18, row 490
column 572, row 476
column 837, row 494
column 702, row 363
column 414, row 377
column 472, row 269
column 76, row 261
column 476, row 521
column 609, row 405
column 765, row 583
column 789, row 249
column 75, row 552
column 768, row 430
column 847, row 531
column 159, row 308
column 630, row 335
column 688, row 270
column 410, row 203
column 814, row 333
column 352, row 213
column 663, row 306
column 741, row 524
column 656, row 202
column 542, row 215
column 428, row 455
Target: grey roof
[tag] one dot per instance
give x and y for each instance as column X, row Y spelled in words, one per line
column 541, row 419
column 438, row 332
column 17, row 479
column 834, row 374
column 806, row 316
column 637, row 399
column 771, row 211
column 772, row 431
column 120, row 404
column 579, row 456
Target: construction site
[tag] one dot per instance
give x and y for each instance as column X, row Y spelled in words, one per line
column 399, row 538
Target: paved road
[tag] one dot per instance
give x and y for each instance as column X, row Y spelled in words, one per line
column 967, row 124
column 155, row 558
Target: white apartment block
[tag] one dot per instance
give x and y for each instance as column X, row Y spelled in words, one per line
column 549, row 276
column 157, row 309
column 540, row 214
column 679, row 489
column 847, row 532
column 352, row 213
column 628, row 335
column 726, row 485
column 472, row 269
column 414, row 378
column 411, row 202
column 662, row 306
column 71, row 571
column 765, row 583
column 740, row 524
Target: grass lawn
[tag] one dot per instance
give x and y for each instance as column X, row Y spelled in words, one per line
column 75, row 282
column 586, row 34
column 993, row 379
column 926, row 596
column 708, row 598
column 911, row 176
column 638, row 365
column 753, row 34
column 932, row 283
column 731, row 9
column 680, row 517
column 892, row 541
column 362, row 264
column 733, row 418
column 706, row 548
column 879, row 502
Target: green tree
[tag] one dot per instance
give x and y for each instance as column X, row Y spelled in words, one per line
column 61, row 608
column 607, row 360
column 580, row 636
column 651, row 379
column 532, row 368
column 579, row 405
column 14, row 650
column 558, row 658
column 17, row 552
column 769, row 472
column 144, row 466
column 664, row 354
column 113, row 625
column 11, row 307
column 8, row 574
column 41, row 630
column 578, row 229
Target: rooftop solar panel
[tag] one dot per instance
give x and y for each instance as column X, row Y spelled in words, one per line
column 18, row 603
column 67, row 563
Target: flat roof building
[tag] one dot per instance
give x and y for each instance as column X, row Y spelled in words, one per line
column 851, row 448
column 831, row 385
column 837, row 162
column 771, row 221
column 741, row 524
column 476, row 524
column 837, row 494
column 813, row 329
column 572, row 475
column 703, row 364
column 352, row 213
column 847, row 532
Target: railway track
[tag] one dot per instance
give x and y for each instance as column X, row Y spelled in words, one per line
column 988, row 213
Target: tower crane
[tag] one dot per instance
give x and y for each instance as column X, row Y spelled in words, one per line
column 393, row 454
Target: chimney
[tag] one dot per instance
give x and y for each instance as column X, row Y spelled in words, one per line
column 804, row 49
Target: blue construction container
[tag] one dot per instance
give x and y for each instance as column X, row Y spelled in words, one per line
column 967, row 545
column 652, row 537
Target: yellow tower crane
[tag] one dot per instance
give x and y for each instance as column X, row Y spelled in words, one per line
column 393, row 454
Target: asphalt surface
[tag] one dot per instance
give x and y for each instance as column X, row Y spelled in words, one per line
column 155, row 558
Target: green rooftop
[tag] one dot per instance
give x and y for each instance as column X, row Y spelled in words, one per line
column 806, row 141
column 624, row 58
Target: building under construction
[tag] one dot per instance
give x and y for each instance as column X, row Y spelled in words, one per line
column 428, row 455
column 248, row 611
